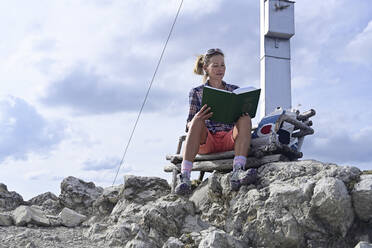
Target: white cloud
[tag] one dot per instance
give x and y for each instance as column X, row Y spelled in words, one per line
column 359, row 49
column 87, row 92
column 111, row 164
column 333, row 143
column 23, row 130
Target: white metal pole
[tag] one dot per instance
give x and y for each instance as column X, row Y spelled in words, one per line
column 276, row 29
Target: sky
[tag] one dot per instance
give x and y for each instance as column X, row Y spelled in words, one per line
column 74, row 73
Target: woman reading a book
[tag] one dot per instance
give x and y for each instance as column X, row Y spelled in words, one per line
column 205, row 136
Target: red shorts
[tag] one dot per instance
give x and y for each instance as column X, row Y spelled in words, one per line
column 218, row 142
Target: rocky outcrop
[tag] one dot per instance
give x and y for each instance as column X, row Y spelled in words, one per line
column 79, row 195
column 6, row 219
column 9, row 200
column 70, row 218
column 144, row 189
column 293, row 204
column 49, row 203
column 362, row 198
column 40, row 199
column 107, row 200
column 25, row 215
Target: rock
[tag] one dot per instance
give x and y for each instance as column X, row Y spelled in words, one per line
column 6, row 220
column 3, row 188
column 30, row 245
column 219, row 239
column 79, row 195
column 24, row 215
column 9, row 200
column 52, row 207
column 139, row 243
column 331, row 205
column 122, row 233
column 281, row 209
column 294, row 204
column 144, row 189
column 96, row 232
column 193, row 224
column 191, row 239
column 362, row 198
column 363, row 244
column 136, row 223
column 209, row 198
column 54, row 220
column 172, row 242
column 107, row 200
column 40, row 199
column 70, row 218
column 48, row 201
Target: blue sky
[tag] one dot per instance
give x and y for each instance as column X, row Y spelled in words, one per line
column 74, row 73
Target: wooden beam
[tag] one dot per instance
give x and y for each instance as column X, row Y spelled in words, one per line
column 225, row 165
column 177, row 158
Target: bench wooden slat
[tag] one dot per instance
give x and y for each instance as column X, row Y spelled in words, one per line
column 177, row 158
column 225, row 165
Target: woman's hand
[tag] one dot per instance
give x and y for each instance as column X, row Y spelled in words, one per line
column 202, row 115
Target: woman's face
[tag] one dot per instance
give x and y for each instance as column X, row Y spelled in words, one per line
column 216, row 67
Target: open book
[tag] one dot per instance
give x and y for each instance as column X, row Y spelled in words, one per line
column 228, row 106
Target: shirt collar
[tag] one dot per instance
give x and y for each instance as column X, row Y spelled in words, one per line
column 223, row 83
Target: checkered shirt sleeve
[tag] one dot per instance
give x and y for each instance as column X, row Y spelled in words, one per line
column 195, row 100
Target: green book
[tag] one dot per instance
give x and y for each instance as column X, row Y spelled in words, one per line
column 228, row 106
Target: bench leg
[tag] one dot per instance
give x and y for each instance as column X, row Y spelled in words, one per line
column 174, row 179
column 201, row 175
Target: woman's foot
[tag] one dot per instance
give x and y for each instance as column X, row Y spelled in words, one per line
column 240, row 177
column 249, row 177
column 184, row 185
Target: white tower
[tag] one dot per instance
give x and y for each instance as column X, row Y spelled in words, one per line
column 276, row 29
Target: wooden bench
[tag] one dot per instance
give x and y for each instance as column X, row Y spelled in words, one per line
column 258, row 156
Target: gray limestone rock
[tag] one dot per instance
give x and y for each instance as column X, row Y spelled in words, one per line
column 331, row 205
column 24, row 215
column 104, row 204
column 96, row 232
column 31, row 245
column 70, row 218
column 284, row 209
column 40, row 199
column 6, row 219
column 143, row 189
column 150, row 216
column 54, row 220
column 362, row 198
column 48, row 201
column 172, row 242
column 294, row 204
column 219, row 239
column 9, row 200
column 79, row 195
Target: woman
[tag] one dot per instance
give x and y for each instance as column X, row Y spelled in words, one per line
column 205, row 136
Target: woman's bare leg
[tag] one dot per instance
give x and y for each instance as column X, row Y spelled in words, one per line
column 196, row 136
column 242, row 135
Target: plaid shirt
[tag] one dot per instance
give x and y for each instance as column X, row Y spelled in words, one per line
column 195, row 99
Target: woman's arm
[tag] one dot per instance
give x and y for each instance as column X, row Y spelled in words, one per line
column 195, row 106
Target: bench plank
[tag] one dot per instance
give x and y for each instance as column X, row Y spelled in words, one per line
column 225, row 165
column 177, row 158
